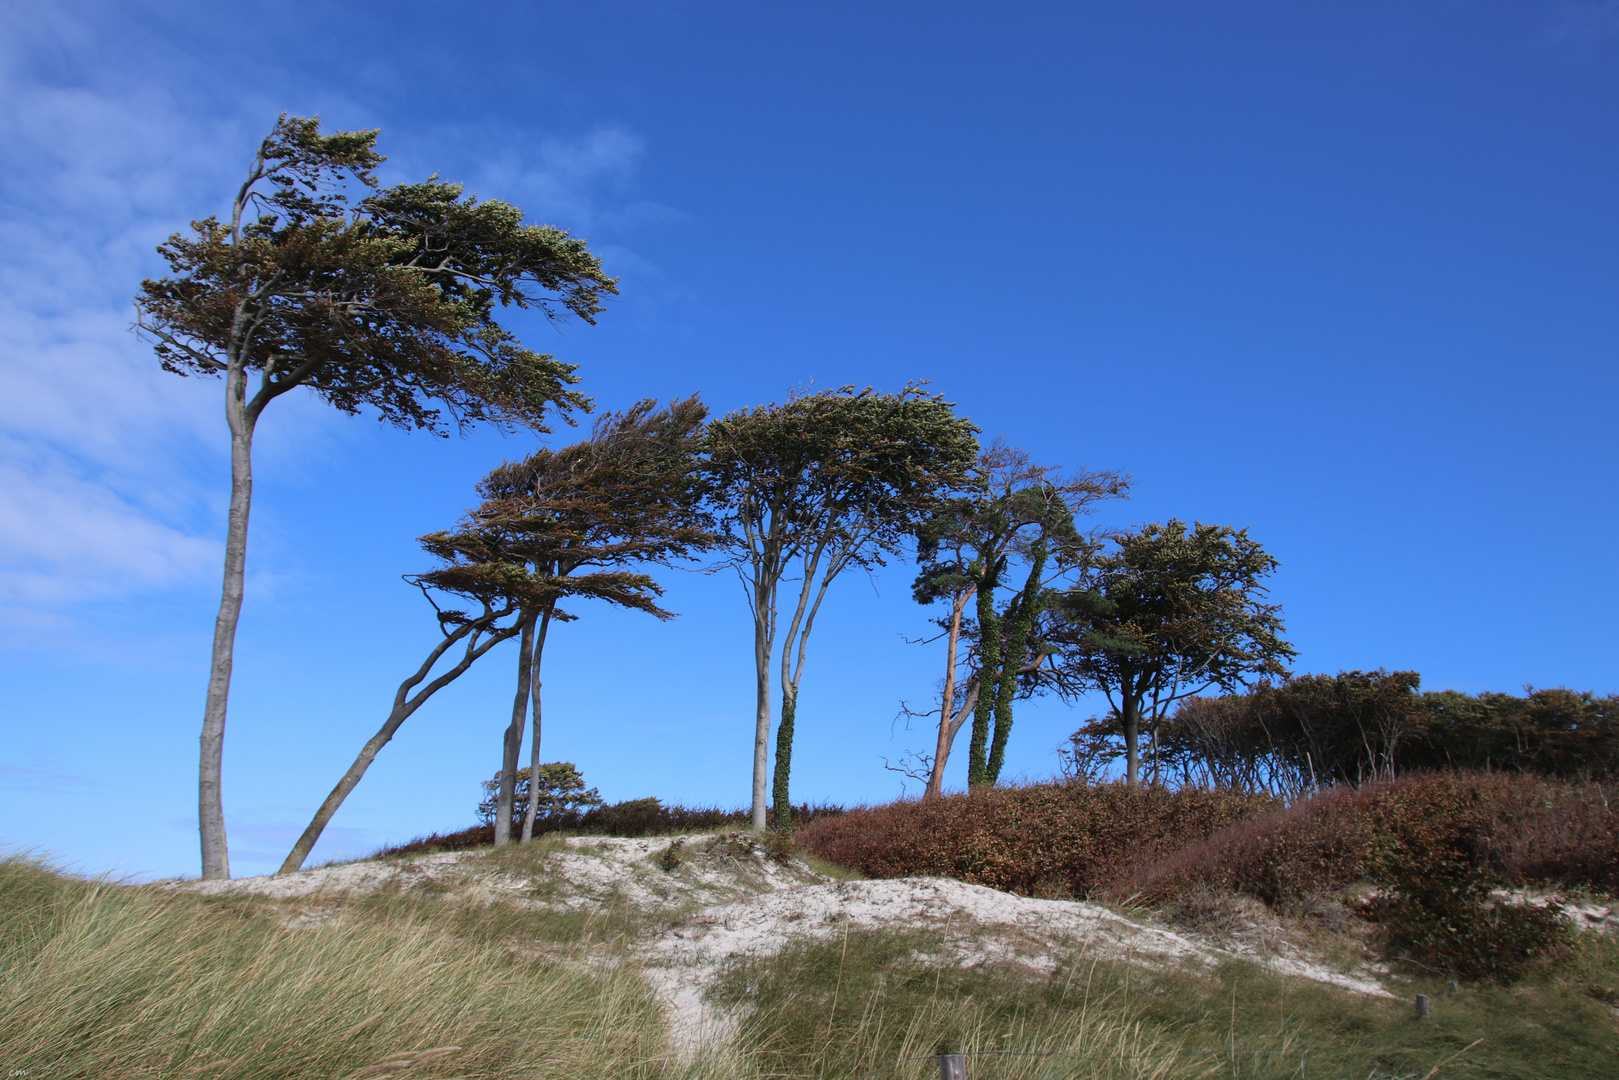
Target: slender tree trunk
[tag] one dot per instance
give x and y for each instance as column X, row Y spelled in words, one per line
column 796, row 639
column 1131, row 715
column 210, row 789
column 947, row 720
column 761, row 725
column 533, row 810
column 512, row 743
column 404, row 706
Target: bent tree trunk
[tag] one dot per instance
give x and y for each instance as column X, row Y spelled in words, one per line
column 210, row 790
column 533, row 810
column 512, row 742
column 404, row 706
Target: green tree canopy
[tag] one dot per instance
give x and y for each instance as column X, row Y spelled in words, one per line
column 1170, row 612
column 582, row 521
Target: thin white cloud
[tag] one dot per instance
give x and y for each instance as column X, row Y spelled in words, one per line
column 1582, row 26
column 112, row 471
column 98, row 447
column 19, row 778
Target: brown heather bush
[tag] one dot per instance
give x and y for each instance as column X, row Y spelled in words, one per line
column 1039, row 839
column 1513, row 829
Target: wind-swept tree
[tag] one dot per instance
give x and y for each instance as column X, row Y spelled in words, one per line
column 579, row 519
column 1000, row 547
column 503, row 588
column 372, row 298
column 809, row 488
column 1172, row 612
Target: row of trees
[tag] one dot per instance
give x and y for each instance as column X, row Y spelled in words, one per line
column 387, row 299
column 1300, row 734
column 1148, row 618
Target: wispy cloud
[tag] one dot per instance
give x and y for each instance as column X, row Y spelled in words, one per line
column 19, row 778
column 584, row 183
column 111, row 471
column 97, row 447
column 1582, row 26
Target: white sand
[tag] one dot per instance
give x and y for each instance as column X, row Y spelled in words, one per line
column 728, row 900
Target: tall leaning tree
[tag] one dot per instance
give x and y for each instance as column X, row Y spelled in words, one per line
column 806, row 490
column 380, row 299
column 503, row 587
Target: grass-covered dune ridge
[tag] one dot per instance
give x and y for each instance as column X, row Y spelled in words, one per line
column 537, row 960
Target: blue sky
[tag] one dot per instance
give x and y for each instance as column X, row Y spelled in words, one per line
column 1345, row 275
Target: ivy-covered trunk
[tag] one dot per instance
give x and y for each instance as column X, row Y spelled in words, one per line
column 784, row 759
column 1025, row 608
column 989, row 662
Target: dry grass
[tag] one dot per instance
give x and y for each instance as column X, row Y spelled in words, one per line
column 100, row 980
column 103, row 981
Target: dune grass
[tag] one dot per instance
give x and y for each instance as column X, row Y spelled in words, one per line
column 847, row 1007
column 100, row 980
column 104, row 981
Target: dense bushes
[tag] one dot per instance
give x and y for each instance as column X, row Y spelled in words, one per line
column 1435, row 844
column 1041, row 839
column 632, row 817
column 1518, row 830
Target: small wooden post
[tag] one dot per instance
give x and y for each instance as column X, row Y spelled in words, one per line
column 952, row 1067
column 1422, row 1006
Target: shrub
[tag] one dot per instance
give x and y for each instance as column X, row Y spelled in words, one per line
column 1038, row 839
column 1355, row 726
column 562, row 791
column 1443, row 918
column 1514, row 829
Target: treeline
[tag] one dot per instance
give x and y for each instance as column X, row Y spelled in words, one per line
column 388, row 300
column 1312, row 731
